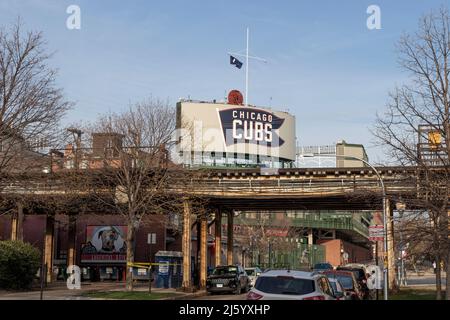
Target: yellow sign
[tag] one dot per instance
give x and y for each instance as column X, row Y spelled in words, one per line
column 434, row 138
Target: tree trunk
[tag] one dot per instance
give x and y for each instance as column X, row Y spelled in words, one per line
column 131, row 237
column 438, row 278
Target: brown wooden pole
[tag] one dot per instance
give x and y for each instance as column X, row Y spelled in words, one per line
column 218, row 237
column 186, row 245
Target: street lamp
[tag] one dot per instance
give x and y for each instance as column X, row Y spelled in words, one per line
column 385, row 244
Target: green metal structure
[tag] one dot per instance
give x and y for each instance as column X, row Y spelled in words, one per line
column 304, row 257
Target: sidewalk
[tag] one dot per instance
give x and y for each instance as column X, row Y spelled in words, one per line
column 59, row 291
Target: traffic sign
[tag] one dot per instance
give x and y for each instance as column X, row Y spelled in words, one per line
column 376, row 233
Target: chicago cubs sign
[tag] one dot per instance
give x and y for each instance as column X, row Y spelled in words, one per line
column 226, row 132
column 250, row 125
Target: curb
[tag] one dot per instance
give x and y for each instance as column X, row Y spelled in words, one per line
column 188, row 296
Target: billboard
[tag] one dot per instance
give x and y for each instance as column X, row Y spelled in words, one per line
column 105, row 244
column 223, row 128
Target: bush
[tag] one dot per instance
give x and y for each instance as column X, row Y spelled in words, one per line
column 19, row 263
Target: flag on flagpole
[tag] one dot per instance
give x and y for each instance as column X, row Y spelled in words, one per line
column 236, row 62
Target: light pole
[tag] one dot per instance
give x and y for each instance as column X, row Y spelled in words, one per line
column 385, row 244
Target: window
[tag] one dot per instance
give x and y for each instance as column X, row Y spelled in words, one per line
column 284, row 285
column 325, row 286
column 346, row 281
column 250, row 272
column 225, row 270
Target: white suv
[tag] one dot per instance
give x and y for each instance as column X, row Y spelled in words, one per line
column 291, row 285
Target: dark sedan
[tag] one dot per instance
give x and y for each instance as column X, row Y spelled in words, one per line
column 228, row 279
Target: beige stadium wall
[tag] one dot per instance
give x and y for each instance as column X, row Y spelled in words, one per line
column 202, row 130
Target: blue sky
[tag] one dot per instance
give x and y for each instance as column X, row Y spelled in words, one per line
column 324, row 65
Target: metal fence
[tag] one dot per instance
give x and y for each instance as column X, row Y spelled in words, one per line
column 304, row 257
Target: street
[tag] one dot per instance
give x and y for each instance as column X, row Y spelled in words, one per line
column 425, row 280
column 222, row 297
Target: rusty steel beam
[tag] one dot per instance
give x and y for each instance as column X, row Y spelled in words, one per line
column 218, row 237
column 186, row 245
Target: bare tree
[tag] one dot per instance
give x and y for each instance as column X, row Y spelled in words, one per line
column 133, row 177
column 128, row 171
column 415, row 128
column 31, row 104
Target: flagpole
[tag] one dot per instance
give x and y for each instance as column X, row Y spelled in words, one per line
column 246, row 72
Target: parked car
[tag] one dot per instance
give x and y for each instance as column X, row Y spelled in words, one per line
column 359, row 271
column 228, row 279
column 338, row 289
column 360, row 274
column 322, row 266
column 291, row 285
column 253, row 274
column 348, row 281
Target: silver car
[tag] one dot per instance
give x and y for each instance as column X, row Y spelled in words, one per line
column 291, row 285
column 253, row 274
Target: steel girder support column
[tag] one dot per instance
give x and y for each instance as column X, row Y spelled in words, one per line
column 17, row 223
column 72, row 238
column 48, row 246
column 186, row 245
column 218, row 237
column 310, row 237
column 203, row 250
column 390, row 246
column 230, row 237
column 14, row 226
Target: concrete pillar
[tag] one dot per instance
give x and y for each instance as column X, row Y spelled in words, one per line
column 218, row 237
column 390, row 246
column 48, row 246
column 186, row 245
column 230, row 238
column 203, row 250
column 72, row 240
